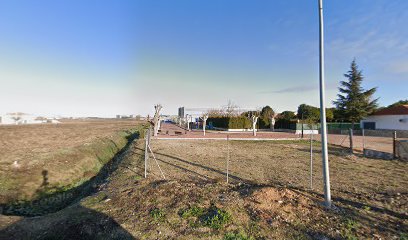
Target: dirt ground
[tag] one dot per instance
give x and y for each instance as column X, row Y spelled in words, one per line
column 268, row 196
column 356, row 182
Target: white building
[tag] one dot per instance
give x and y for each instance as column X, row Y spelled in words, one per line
column 23, row 118
column 395, row 118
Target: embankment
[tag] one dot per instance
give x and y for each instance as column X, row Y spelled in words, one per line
column 67, row 176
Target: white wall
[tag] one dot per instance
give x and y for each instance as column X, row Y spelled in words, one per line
column 391, row 122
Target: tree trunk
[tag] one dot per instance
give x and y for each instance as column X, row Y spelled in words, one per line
column 156, row 119
column 204, row 124
column 273, row 124
column 254, row 120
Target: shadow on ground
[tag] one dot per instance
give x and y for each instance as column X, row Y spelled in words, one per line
column 74, row 223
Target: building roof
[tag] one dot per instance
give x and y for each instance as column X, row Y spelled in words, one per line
column 397, row 110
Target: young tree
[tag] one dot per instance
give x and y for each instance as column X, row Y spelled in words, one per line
column 204, row 118
column 353, row 101
column 329, row 114
column 253, row 116
column 231, row 109
column 156, row 118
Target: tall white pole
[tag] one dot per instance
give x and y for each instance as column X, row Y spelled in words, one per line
column 325, row 156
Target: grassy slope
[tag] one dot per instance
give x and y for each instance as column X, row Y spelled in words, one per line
column 62, row 169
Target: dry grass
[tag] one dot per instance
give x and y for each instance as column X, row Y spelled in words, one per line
column 286, row 163
column 35, row 157
column 374, row 190
column 268, row 197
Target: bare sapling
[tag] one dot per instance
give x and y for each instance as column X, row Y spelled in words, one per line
column 204, row 118
column 156, row 118
column 253, row 116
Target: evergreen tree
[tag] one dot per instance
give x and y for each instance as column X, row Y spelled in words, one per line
column 267, row 113
column 353, row 102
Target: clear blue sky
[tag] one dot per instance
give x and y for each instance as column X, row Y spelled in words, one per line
column 102, row 58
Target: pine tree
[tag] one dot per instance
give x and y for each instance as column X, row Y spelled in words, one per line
column 354, row 103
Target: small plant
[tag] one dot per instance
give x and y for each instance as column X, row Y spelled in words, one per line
column 212, row 217
column 349, row 229
column 194, row 211
column 137, row 177
column 237, row 236
column 157, row 215
column 366, row 208
column 215, row 218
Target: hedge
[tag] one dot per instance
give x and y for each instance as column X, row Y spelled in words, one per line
column 230, row 122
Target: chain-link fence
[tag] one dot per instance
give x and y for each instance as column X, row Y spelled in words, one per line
column 290, row 162
column 382, row 144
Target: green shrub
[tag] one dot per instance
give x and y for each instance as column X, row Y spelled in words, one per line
column 193, row 211
column 215, row 218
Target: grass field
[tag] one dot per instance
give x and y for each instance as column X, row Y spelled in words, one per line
column 268, row 196
column 36, row 159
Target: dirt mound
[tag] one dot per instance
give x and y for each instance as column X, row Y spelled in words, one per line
column 282, row 208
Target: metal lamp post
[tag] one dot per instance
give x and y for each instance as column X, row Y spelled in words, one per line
column 325, row 157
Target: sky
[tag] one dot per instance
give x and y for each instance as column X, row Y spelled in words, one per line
column 102, row 58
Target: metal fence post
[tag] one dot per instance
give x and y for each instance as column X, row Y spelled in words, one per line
column 146, row 151
column 394, row 144
column 146, row 157
column 363, row 135
column 311, row 160
column 351, row 140
column 228, row 156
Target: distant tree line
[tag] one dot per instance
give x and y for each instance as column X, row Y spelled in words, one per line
column 353, row 103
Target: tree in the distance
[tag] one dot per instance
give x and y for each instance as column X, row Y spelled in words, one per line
column 287, row 115
column 308, row 114
column 267, row 116
column 353, row 101
column 399, row 103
